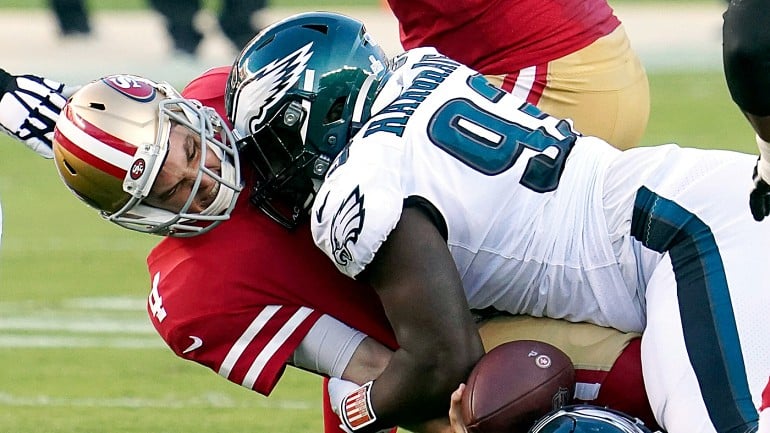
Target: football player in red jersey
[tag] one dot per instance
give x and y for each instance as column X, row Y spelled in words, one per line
column 271, row 293
column 571, row 58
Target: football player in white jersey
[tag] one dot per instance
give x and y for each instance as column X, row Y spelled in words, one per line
column 445, row 193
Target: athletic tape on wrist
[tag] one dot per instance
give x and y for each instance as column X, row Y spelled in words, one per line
column 356, row 410
column 338, row 390
column 763, row 166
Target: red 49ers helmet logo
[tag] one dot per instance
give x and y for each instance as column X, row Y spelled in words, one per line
column 137, row 169
column 134, row 87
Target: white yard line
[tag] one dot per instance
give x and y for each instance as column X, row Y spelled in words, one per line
column 78, row 323
column 209, row 400
column 36, row 341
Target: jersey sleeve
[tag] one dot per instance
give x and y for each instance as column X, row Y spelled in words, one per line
column 247, row 348
column 358, row 205
column 246, row 341
column 209, row 89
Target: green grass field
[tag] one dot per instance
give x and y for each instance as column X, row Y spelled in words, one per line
column 65, row 272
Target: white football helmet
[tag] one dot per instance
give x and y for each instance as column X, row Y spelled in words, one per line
column 111, row 141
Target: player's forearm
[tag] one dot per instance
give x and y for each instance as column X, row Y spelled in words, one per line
column 423, row 298
column 368, row 361
column 413, row 390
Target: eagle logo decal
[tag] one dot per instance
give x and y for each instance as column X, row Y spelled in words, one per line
column 346, row 226
column 267, row 86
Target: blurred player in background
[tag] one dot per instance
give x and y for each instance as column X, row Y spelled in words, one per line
column 72, row 17
column 234, row 18
column 570, row 58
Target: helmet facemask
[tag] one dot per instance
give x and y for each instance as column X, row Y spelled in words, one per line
column 284, row 166
column 291, row 169
column 214, row 136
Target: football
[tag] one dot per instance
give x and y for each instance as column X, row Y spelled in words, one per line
column 514, row 384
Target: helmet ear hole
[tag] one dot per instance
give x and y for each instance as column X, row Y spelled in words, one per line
column 335, row 110
column 70, row 168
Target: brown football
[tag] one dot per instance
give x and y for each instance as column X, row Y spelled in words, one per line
column 514, row 384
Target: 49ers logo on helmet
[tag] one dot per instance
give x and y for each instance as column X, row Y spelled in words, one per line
column 132, row 86
column 137, row 169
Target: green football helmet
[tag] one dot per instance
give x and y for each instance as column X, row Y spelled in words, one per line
column 588, row 419
column 296, row 95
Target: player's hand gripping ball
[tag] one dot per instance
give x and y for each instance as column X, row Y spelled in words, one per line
column 514, row 384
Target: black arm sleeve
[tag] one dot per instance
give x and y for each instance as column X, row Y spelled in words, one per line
column 5, row 81
column 746, row 54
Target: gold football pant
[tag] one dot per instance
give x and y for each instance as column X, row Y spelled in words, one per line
column 607, row 362
column 603, row 88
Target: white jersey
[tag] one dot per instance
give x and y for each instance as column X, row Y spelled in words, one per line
column 542, row 221
column 541, row 247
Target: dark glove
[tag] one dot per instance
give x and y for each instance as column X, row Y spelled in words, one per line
column 29, row 107
column 759, row 198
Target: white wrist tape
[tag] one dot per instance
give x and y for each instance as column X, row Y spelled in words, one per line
column 339, row 389
column 763, row 166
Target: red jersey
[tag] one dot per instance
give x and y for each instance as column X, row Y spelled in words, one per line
column 498, row 37
column 239, row 299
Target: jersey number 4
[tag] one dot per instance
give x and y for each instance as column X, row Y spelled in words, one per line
column 491, row 144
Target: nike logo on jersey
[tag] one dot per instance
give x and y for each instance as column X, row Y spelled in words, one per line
column 346, row 226
column 196, row 344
